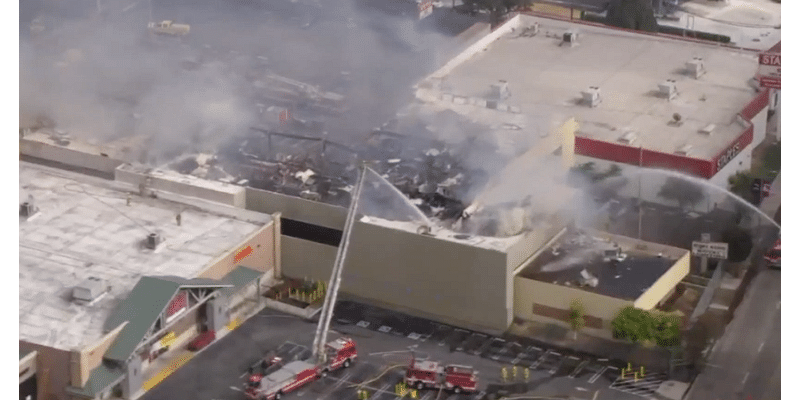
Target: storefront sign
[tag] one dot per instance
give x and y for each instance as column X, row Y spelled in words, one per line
column 728, row 155
column 242, row 254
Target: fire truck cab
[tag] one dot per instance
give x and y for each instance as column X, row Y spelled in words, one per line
column 273, row 386
column 340, row 353
column 773, row 256
column 430, row 375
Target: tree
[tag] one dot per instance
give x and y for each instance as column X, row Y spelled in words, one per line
column 739, row 241
column 667, row 331
column 497, row 8
column 741, row 184
column 632, row 324
column 632, row 14
column 684, row 192
column 577, row 317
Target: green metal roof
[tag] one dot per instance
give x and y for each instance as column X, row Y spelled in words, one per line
column 100, row 380
column 239, row 277
column 141, row 308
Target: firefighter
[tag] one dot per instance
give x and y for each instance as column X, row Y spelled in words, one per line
column 527, row 372
column 514, row 372
column 504, row 372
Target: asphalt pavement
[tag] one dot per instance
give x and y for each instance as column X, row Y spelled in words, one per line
column 219, row 371
column 746, row 360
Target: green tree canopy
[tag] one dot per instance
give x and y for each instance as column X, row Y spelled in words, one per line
column 632, row 14
column 683, row 191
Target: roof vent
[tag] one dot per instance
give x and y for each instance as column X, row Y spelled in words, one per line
column 27, row 209
column 696, row 68
column 152, row 241
column 500, row 90
column 668, row 89
column 685, row 150
column 708, row 129
column 89, row 290
column 570, row 38
column 628, row 138
column 591, row 96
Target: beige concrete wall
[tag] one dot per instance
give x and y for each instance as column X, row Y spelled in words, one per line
column 261, row 258
column 306, row 259
column 529, row 291
column 90, row 357
column 185, row 185
column 418, row 272
column 78, row 155
column 27, row 366
column 53, row 370
column 664, row 285
column 296, row 208
column 566, row 132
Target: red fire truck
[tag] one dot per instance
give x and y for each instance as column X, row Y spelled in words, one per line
column 430, row 375
column 773, row 256
column 340, row 354
column 261, row 386
column 273, row 386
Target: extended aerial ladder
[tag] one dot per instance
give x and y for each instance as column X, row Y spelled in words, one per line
column 321, row 336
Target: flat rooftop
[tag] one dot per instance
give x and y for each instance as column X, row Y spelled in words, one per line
column 563, row 262
column 546, row 80
column 84, row 228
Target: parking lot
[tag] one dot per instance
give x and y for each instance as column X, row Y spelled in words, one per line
column 385, row 346
column 520, row 352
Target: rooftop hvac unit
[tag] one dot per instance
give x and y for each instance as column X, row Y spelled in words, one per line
column 695, row 67
column 570, row 38
column 708, row 129
column 628, row 138
column 89, row 290
column 152, row 241
column 668, row 89
column 685, row 150
column 500, row 90
column 27, row 209
column 591, row 96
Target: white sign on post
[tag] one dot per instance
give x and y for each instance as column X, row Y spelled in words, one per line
column 711, row 250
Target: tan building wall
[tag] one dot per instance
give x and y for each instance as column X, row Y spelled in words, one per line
column 416, row 272
column 528, row 292
column 664, row 285
column 261, row 258
column 53, row 370
column 27, row 366
column 296, row 208
column 85, row 360
column 302, row 258
column 39, row 145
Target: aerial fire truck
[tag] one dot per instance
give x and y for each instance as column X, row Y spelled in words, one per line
column 340, row 354
column 430, row 375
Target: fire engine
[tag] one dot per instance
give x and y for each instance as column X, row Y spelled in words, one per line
column 273, row 386
column 340, row 353
column 430, row 375
column 262, row 386
column 773, row 256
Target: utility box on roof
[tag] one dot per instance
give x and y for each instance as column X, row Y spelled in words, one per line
column 89, row 289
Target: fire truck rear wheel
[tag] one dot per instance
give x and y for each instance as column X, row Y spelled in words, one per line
column 420, row 386
column 346, row 363
column 278, row 395
column 456, row 390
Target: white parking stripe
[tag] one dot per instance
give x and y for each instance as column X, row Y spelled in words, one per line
column 597, row 375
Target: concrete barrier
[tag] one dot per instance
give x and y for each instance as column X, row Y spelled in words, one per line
column 185, row 185
column 75, row 154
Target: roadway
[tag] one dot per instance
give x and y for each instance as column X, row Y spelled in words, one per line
column 746, row 360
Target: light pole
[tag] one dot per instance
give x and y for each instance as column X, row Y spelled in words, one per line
column 640, row 193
